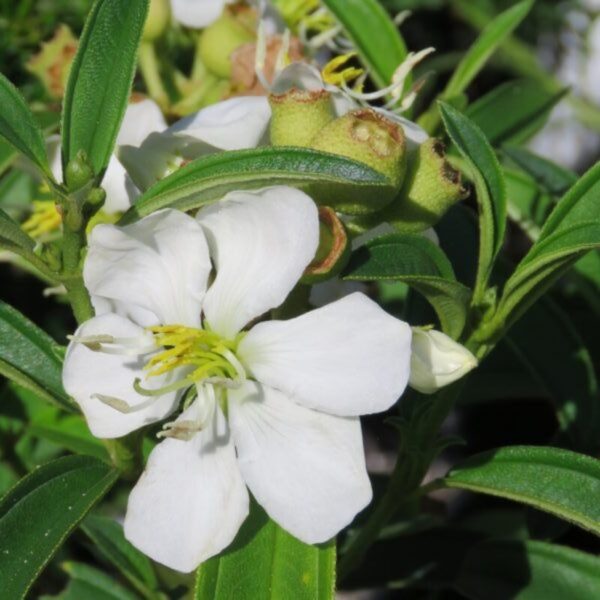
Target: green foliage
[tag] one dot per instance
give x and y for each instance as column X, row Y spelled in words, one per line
column 209, row 178
column 416, row 261
column 19, row 128
column 560, row 482
column 267, row 562
column 30, row 357
column 41, row 511
column 100, row 80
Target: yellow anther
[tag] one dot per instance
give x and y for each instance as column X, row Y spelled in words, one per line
column 336, row 73
column 45, row 219
column 202, row 349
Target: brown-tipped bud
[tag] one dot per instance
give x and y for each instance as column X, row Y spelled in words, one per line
column 431, row 187
column 299, row 115
column 218, row 41
column 368, row 137
column 333, row 252
column 53, row 63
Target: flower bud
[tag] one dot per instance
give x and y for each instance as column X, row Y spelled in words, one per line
column 219, row 40
column 437, row 360
column 299, row 115
column 334, row 248
column 158, row 20
column 53, row 63
column 79, row 172
column 432, row 186
column 368, row 137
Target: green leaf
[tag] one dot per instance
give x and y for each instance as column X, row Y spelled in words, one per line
column 100, row 80
column 28, row 356
column 506, row 114
column 19, row 128
column 268, row 563
column 486, row 44
column 548, row 344
column 561, row 482
column 501, row 569
column 550, row 176
column 12, row 237
column 419, row 263
column 108, row 538
column 490, row 187
column 373, row 34
column 572, row 229
column 88, row 583
column 325, row 176
column 41, row 511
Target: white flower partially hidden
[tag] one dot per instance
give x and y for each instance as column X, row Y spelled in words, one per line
column 197, row 14
column 437, row 360
column 140, row 121
column 275, row 408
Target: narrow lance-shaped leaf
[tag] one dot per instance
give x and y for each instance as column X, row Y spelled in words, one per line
column 419, row 263
column 572, row 229
column 19, row 127
column 41, row 511
column 561, row 482
column 486, row 44
column 327, row 177
column 513, row 111
column 490, row 188
column 12, row 237
column 28, row 357
column 100, row 80
column 528, row 570
column 267, row 562
column 373, row 34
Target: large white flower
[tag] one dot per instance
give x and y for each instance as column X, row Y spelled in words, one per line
column 276, row 403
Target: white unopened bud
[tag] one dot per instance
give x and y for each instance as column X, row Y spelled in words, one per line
column 437, row 360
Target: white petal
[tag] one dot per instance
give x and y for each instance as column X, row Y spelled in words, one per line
column 140, row 120
column 53, row 150
column 300, row 75
column 191, row 499
column 347, row 358
column 159, row 264
column 197, row 13
column 260, row 243
column 233, row 124
column 119, row 187
column 305, row 468
column 87, row 372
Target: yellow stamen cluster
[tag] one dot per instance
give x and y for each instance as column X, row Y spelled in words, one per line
column 45, row 219
column 296, row 12
column 335, row 72
column 209, row 354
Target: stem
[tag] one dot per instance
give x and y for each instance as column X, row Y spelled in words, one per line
column 73, row 242
column 151, row 74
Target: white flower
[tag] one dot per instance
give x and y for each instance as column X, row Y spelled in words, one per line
column 197, row 14
column 277, row 406
column 437, row 360
column 140, row 121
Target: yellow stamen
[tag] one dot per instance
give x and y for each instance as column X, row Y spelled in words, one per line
column 202, row 349
column 44, row 219
column 334, row 74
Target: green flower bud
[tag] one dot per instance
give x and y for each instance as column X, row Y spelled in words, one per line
column 298, row 115
column 79, row 172
column 158, row 20
column 366, row 136
column 432, row 186
column 334, row 249
column 220, row 39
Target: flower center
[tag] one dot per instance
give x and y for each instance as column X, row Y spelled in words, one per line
column 211, row 357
